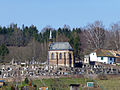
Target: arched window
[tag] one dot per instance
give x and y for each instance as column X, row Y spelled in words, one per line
column 60, row 55
column 52, row 56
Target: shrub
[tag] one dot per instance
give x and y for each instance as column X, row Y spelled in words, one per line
column 26, row 80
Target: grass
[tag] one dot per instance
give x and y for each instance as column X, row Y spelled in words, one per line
column 110, row 84
column 63, row 83
column 60, row 83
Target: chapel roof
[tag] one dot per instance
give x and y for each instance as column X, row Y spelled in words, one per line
column 60, row 46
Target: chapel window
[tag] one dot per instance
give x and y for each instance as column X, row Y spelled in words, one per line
column 52, row 56
column 60, row 55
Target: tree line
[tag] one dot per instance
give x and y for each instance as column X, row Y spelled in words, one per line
column 28, row 43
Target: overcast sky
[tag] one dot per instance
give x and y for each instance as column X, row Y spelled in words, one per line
column 76, row 13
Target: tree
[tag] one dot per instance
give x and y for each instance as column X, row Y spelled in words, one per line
column 95, row 35
column 75, row 42
column 114, row 41
column 3, row 51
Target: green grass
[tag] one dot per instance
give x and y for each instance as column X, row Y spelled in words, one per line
column 110, row 84
column 60, row 83
column 63, row 83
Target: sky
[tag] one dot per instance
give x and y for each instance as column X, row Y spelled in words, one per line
column 56, row 13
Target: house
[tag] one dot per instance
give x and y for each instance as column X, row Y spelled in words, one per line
column 102, row 56
column 86, row 59
column 60, row 54
column 117, row 56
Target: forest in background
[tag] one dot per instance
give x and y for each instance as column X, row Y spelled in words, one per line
column 26, row 43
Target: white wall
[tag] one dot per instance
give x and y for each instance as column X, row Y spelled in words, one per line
column 93, row 56
column 86, row 59
column 105, row 59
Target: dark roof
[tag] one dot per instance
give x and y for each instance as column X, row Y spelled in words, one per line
column 77, row 85
column 60, row 46
column 105, row 53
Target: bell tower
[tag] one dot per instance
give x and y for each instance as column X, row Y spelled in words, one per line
column 50, row 38
column 50, row 41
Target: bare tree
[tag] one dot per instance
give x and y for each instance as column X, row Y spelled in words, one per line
column 114, row 41
column 95, row 35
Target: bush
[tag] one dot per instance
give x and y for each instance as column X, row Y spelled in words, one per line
column 26, row 80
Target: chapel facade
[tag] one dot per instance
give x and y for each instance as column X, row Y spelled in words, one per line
column 60, row 54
